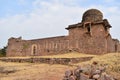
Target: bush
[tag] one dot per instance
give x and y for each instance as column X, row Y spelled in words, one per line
column 3, row 52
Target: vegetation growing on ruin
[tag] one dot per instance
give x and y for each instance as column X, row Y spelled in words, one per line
column 25, row 46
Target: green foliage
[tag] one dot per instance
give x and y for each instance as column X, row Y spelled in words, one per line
column 25, row 46
column 3, row 52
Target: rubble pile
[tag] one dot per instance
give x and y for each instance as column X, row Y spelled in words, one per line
column 89, row 72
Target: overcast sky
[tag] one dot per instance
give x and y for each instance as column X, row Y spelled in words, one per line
column 33, row 19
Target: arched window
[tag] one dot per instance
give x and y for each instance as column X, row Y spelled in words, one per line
column 34, row 49
column 88, row 26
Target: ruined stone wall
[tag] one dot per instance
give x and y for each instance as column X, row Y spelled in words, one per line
column 116, row 45
column 85, row 42
column 18, row 47
column 119, row 47
column 47, row 60
column 79, row 40
column 50, row 46
column 110, row 45
column 38, row 47
column 76, row 37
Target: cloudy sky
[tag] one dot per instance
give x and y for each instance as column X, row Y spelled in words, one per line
column 33, row 19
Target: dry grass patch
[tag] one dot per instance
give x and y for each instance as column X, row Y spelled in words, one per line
column 111, row 61
column 65, row 55
column 32, row 71
column 69, row 55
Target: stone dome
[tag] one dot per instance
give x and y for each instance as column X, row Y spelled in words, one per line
column 92, row 15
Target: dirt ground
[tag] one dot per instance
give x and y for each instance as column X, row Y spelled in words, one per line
column 31, row 71
column 40, row 71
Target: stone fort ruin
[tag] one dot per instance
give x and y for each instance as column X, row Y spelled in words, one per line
column 91, row 35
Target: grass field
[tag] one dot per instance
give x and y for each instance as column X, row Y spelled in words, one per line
column 34, row 71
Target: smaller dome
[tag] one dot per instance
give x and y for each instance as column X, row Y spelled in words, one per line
column 92, row 15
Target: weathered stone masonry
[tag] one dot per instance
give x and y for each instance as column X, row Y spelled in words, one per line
column 91, row 35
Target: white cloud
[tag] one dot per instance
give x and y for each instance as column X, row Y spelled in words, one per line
column 22, row 2
column 109, row 1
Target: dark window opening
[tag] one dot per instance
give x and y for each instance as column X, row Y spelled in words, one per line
column 48, row 50
column 34, row 50
column 88, row 28
column 115, row 47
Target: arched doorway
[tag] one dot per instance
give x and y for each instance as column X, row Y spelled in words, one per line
column 34, row 50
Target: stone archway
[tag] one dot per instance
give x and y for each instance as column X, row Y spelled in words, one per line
column 34, row 50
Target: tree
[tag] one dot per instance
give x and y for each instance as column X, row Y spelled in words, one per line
column 3, row 52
